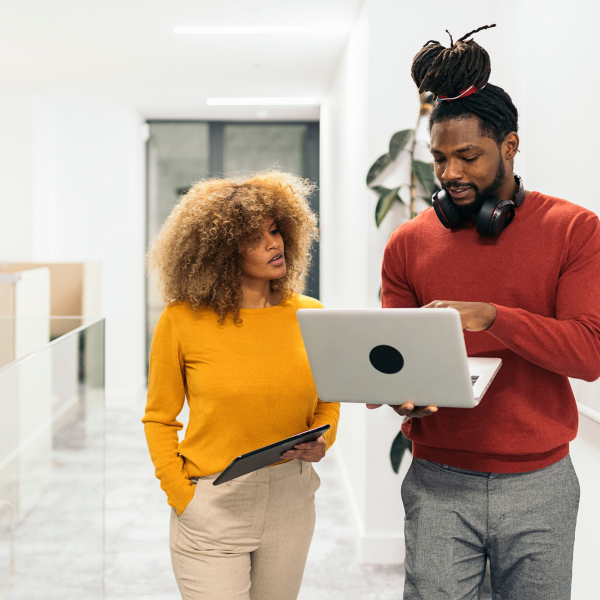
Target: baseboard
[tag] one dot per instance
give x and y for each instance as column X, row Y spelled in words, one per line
column 383, row 550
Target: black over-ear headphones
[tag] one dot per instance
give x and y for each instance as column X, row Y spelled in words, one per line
column 493, row 217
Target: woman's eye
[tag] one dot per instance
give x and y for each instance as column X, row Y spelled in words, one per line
column 274, row 231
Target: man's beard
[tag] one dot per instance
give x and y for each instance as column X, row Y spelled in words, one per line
column 466, row 211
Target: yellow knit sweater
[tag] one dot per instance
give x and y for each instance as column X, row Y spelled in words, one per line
column 247, row 385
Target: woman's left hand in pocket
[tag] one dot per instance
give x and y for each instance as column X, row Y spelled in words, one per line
column 308, row 452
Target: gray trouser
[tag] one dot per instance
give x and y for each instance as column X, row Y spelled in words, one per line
column 524, row 523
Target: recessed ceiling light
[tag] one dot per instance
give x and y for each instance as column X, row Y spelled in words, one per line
column 253, row 29
column 261, row 101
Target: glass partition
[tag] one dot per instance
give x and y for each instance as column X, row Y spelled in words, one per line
column 51, row 459
column 291, row 147
column 177, row 157
column 249, row 147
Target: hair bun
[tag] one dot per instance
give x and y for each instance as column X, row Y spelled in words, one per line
column 448, row 71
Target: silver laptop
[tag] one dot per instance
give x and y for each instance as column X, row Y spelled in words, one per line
column 393, row 356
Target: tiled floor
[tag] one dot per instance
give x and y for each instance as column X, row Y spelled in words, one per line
column 138, row 565
column 332, row 570
column 61, row 539
column 59, row 531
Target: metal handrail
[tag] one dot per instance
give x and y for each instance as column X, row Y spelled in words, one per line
column 589, row 412
column 89, row 322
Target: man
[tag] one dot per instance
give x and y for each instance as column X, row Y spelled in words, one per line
column 495, row 482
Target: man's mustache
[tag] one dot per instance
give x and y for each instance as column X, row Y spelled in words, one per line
column 449, row 186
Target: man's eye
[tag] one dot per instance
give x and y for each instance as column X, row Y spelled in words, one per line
column 437, row 161
column 470, row 159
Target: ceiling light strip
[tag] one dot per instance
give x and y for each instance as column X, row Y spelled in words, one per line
column 285, row 101
column 232, row 29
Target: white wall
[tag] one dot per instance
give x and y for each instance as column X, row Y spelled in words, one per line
column 16, row 176
column 99, row 216
column 545, row 56
column 585, row 453
column 79, row 167
column 344, row 238
column 345, row 137
column 563, row 121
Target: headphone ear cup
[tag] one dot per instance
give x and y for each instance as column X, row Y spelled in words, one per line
column 494, row 216
column 445, row 210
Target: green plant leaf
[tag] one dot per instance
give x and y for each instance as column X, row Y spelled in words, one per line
column 399, row 446
column 424, row 173
column 385, row 203
column 398, row 142
column 383, row 190
column 378, row 166
column 380, row 189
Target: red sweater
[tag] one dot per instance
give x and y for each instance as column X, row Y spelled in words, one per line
column 543, row 276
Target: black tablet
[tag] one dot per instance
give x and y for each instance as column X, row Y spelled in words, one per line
column 269, row 455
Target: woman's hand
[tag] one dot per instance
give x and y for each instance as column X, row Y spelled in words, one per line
column 309, row 451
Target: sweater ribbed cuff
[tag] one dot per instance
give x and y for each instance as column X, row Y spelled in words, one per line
column 179, row 498
column 506, row 325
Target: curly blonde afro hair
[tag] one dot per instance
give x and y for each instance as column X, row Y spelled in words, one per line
column 197, row 254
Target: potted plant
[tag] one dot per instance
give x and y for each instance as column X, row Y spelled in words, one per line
column 413, row 183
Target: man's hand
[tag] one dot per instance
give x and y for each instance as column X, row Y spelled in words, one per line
column 474, row 316
column 408, row 409
column 309, row 451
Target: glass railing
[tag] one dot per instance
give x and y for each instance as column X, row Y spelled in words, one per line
column 51, row 458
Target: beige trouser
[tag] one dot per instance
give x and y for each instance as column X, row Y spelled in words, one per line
column 246, row 539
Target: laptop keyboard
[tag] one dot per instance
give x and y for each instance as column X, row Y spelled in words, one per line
column 474, row 378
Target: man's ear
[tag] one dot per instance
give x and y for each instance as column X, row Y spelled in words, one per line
column 510, row 145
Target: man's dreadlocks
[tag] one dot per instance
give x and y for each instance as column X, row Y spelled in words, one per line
column 447, row 72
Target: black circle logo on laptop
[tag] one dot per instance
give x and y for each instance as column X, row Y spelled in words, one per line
column 386, row 359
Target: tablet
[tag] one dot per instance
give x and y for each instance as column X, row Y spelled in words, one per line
column 269, row 455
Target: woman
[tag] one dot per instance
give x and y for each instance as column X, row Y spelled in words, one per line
column 231, row 260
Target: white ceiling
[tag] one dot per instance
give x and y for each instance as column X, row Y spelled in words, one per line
column 126, row 51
